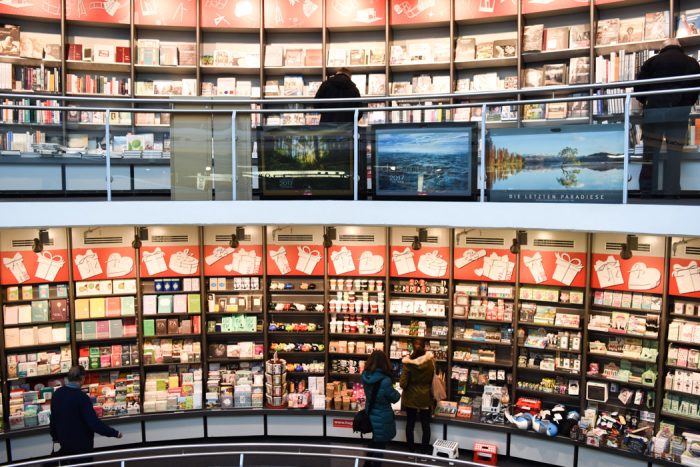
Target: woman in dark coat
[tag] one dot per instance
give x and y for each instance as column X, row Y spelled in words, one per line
column 378, row 374
column 416, row 399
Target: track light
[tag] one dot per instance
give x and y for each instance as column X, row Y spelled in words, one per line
column 39, row 242
column 418, row 239
column 515, row 247
column 631, row 244
column 237, row 237
column 139, row 237
column 519, row 240
column 625, row 252
column 328, row 237
column 416, row 245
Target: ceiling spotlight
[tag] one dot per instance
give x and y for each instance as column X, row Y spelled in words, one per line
column 630, row 245
column 515, row 247
column 139, row 237
column 519, row 240
column 237, row 237
column 39, row 242
column 328, row 237
column 416, row 245
column 625, row 252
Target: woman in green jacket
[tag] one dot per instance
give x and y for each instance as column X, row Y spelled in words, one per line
column 416, row 399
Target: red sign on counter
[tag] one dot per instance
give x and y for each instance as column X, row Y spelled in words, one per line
column 484, row 264
column 342, row 423
column 283, row 14
column 27, row 267
column 639, row 273
column 426, row 263
column 295, row 260
column 536, row 6
column 685, row 278
column 104, row 263
column 473, row 9
column 169, row 261
column 220, row 260
column 357, row 260
column 553, row 268
column 165, row 13
column 243, row 14
column 343, row 13
column 419, row 11
column 50, row 9
column 111, row 11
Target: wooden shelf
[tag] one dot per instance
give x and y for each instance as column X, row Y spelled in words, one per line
column 292, row 70
column 75, row 65
column 487, row 63
column 629, row 47
column 166, row 69
column 414, row 67
column 229, row 70
column 547, row 55
column 549, row 372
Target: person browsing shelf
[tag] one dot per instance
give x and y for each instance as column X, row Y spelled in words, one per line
column 416, row 399
column 339, row 87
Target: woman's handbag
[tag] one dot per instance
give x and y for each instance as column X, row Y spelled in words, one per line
column 361, row 422
column 438, row 387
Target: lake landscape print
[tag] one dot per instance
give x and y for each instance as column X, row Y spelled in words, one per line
column 429, row 161
column 568, row 164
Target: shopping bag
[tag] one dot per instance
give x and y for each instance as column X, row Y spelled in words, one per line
column 307, row 259
column 155, row 261
column 469, row 256
column 342, row 261
column 403, row 261
column 566, row 269
column 48, row 265
column 183, row 262
column 643, row 277
column 534, row 264
column 432, row 264
column 88, row 265
column 496, row 268
column 218, row 253
column 118, row 265
column 17, row 267
column 608, row 272
column 244, row 262
column 370, row 263
column 280, row 259
column 687, row 277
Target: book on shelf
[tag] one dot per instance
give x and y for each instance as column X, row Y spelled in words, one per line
column 187, row 54
column 293, row 86
column 441, row 52
column 484, row 50
column 244, row 88
column 466, row 49
column 102, row 53
column 401, row 87
column 376, row 84
column 10, row 40
column 422, row 84
column 579, row 70
column 463, row 85
column 510, row 82
column 358, row 57
column 337, row 57
column 532, row 38
column 274, row 55
column 189, row 87
column 272, row 88
column 485, row 82
column 631, row 30
column 31, row 46
column 555, row 110
column 225, row 86
column 75, row 52
column 148, row 52
column 313, row 57
column 554, row 74
column 688, row 23
column 656, row 25
column 398, row 54
column 377, row 56
column 504, row 48
column 579, row 109
column 360, row 81
column 294, row 57
column 608, row 31
column 556, row 38
column 580, row 36
column 221, row 58
column 123, row 54
column 533, row 112
column 533, row 77
column 312, row 88
column 52, row 52
column 168, row 55
column 419, row 52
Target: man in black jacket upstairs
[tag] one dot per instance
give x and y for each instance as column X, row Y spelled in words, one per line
column 73, row 420
column 340, row 87
column 666, row 116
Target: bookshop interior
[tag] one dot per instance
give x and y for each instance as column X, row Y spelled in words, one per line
column 560, row 337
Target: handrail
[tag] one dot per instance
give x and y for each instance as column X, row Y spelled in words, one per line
column 356, row 453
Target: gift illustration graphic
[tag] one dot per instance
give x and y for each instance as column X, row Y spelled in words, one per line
column 280, row 259
column 48, row 265
column 183, row 262
column 496, row 268
column 687, row 277
column 118, row 265
column 370, row 263
column 244, row 262
column 17, row 267
column 643, row 277
column 609, row 272
column 534, row 265
column 432, row 264
column 218, row 253
column 566, row 269
column 342, row 261
column 155, row 261
column 307, row 259
column 88, row 265
column 403, row 261
column 469, row 256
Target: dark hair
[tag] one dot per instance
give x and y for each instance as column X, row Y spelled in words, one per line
column 378, row 361
column 75, row 374
column 418, row 352
column 345, row 71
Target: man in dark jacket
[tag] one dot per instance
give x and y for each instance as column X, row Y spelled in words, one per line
column 666, row 116
column 340, row 87
column 73, row 420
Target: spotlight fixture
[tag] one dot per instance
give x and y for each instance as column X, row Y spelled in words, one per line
column 515, row 247
column 233, row 243
column 625, row 252
column 418, row 240
column 630, row 245
column 416, row 245
column 328, row 237
column 38, row 242
column 519, row 240
column 139, row 237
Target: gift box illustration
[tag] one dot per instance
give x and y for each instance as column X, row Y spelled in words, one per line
column 183, row 262
column 687, row 277
column 432, row 264
column 342, row 261
column 118, row 265
column 642, row 277
column 566, row 269
column 244, row 262
column 88, row 265
column 48, row 265
column 609, row 272
column 496, row 268
column 280, row 259
column 370, row 263
column 218, row 254
column 403, row 260
column 155, row 261
column 307, row 259
column 534, row 265
column 17, row 267
column 469, row 256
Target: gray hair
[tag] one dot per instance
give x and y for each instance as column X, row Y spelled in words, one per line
column 75, row 374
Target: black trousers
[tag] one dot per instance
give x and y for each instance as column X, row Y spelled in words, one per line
column 375, row 445
column 658, row 124
column 411, row 416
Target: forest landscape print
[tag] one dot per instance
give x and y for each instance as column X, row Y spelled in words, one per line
column 568, row 164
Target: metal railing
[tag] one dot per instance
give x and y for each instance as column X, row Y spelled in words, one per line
column 244, row 454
